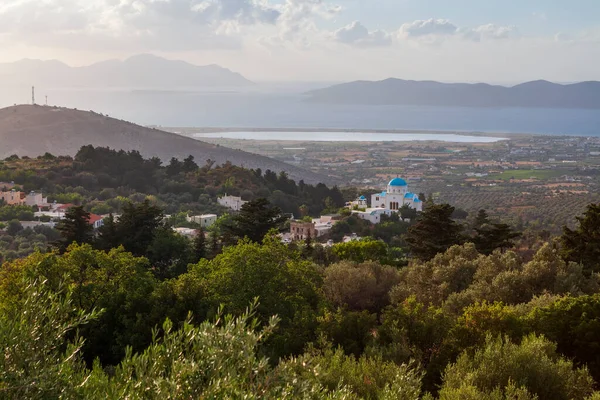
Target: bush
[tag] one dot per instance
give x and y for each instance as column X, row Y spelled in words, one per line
column 532, row 365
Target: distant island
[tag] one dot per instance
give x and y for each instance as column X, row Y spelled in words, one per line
column 543, row 94
column 141, row 71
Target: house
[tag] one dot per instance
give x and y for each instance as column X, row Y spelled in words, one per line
column 232, row 202
column 373, row 215
column 36, row 199
column 301, row 230
column 97, row 221
column 361, row 202
column 187, row 232
column 5, row 186
column 12, row 197
column 205, row 220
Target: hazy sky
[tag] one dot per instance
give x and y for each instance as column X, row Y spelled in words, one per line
column 500, row 41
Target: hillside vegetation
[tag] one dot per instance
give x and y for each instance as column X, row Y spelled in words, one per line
column 34, row 130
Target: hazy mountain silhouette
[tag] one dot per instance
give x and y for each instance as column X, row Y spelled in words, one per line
column 28, row 130
column 143, row 71
column 429, row 93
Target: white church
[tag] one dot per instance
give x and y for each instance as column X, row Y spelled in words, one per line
column 389, row 201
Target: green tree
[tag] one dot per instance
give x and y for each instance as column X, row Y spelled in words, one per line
column 255, row 219
column 169, row 253
column 114, row 281
column 492, row 236
column 14, row 227
column 407, row 212
column 41, row 347
column 107, row 234
column 359, row 287
column 532, row 365
column 582, row 245
column 135, row 229
column 286, row 285
column 75, row 227
column 199, row 246
column 434, row 232
column 481, row 219
column 573, row 323
column 362, row 250
column 189, row 165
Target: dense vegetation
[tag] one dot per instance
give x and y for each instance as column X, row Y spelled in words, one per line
column 429, row 306
column 106, row 180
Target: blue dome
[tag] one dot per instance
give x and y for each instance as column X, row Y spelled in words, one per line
column 397, row 182
column 362, row 198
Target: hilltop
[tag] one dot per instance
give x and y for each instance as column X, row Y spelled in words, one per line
column 544, row 94
column 145, row 70
column 28, row 130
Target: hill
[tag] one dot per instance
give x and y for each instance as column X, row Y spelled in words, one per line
column 144, row 70
column 28, row 130
column 585, row 95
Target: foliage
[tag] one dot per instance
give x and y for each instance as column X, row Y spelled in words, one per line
column 573, row 323
column 286, row 285
column 254, row 221
column 462, row 276
column 434, row 232
column 359, row 287
column 211, row 360
column 75, row 227
column 367, row 378
column 532, row 365
column 490, row 236
column 362, row 250
column 582, row 245
column 20, row 213
column 40, row 357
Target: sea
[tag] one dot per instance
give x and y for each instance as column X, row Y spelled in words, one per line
column 292, row 109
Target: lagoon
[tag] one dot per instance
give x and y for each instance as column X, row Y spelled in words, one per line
column 314, row 136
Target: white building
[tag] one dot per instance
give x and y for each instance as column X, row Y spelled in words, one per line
column 373, row 215
column 233, row 202
column 205, row 220
column 187, row 232
column 396, row 196
column 361, row 202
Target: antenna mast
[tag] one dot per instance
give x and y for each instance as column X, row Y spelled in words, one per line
column 33, row 95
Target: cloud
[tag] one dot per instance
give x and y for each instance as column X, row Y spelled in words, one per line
column 489, row 31
column 429, row 27
column 296, row 23
column 433, row 30
column 356, row 34
column 136, row 24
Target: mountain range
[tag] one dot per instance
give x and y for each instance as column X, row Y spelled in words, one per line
column 543, row 94
column 141, row 71
column 28, row 130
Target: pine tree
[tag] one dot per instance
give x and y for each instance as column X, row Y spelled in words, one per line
column 75, row 227
column 215, row 247
column 434, row 232
column 107, row 234
column 199, row 246
column 308, row 246
column 481, row 219
column 582, row 245
column 255, row 220
column 492, row 236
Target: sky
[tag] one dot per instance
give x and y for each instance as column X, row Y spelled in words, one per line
column 495, row 41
